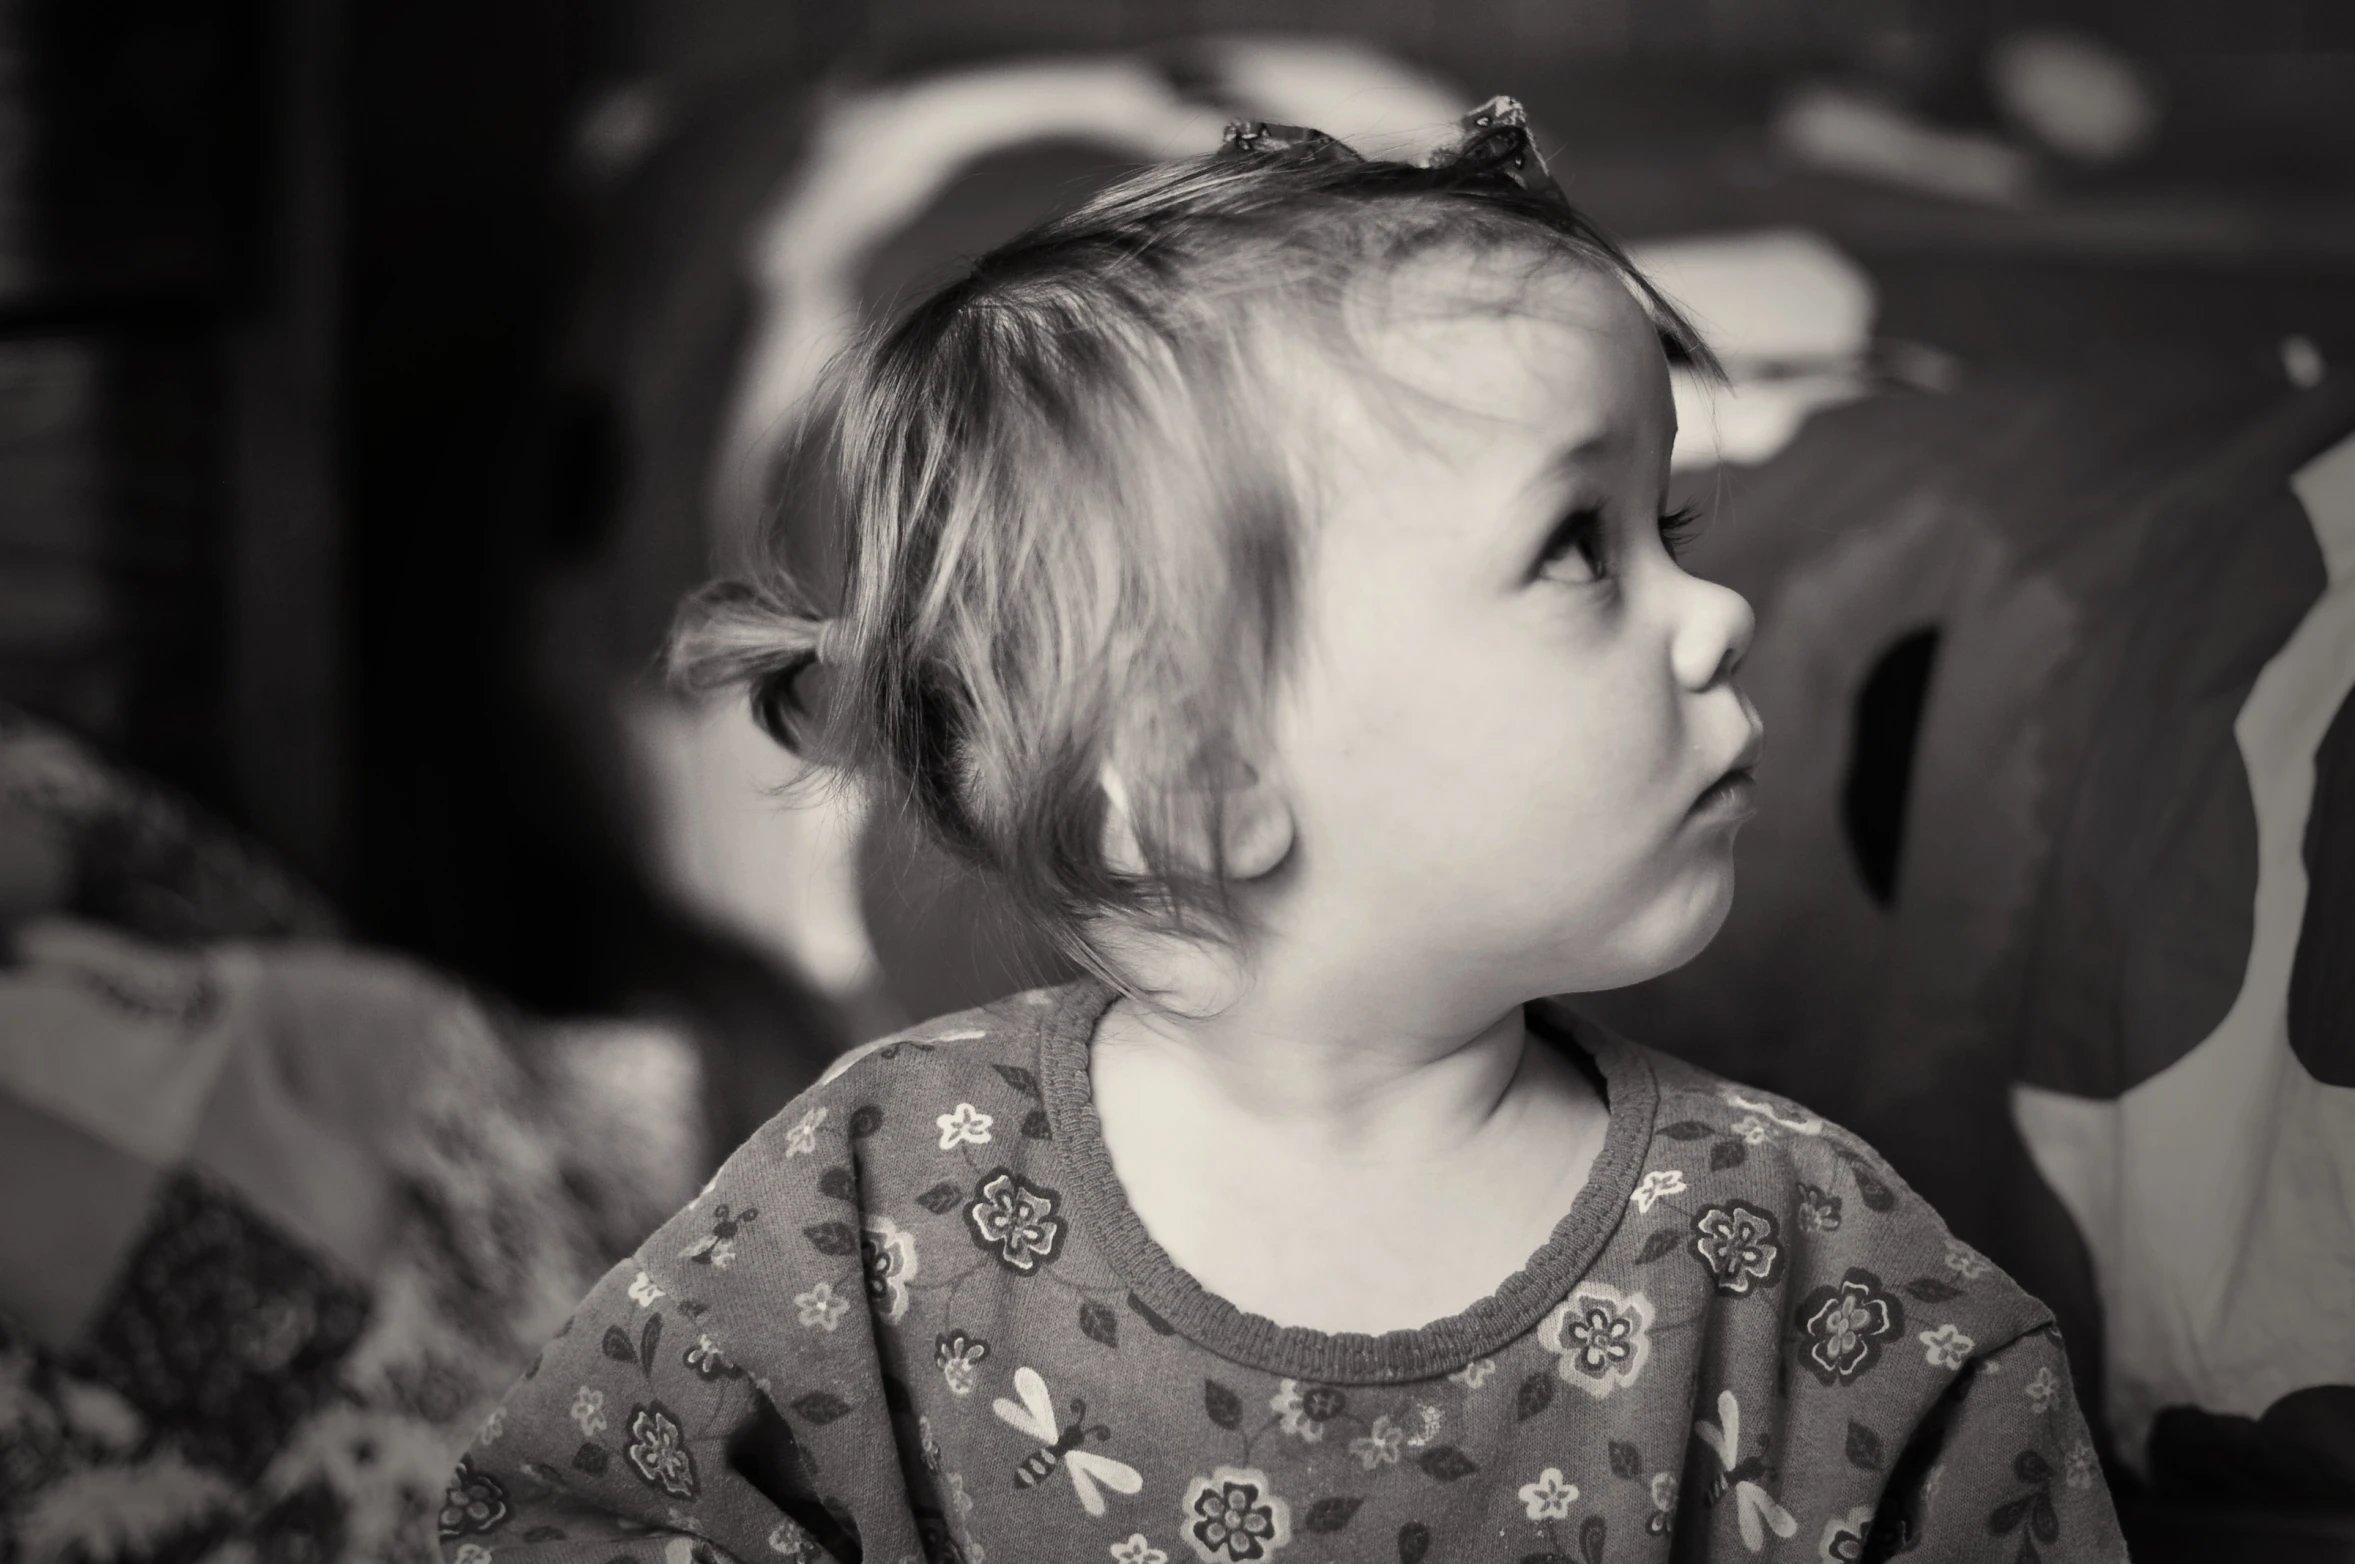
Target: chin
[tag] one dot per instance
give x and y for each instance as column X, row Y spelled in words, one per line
column 1676, row 927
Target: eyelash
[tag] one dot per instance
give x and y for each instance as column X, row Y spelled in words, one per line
column 1581, row 530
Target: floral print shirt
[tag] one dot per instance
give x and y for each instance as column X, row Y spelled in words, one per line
column 914, row 1319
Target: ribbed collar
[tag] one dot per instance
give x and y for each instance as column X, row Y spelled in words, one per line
column 1353, row 1357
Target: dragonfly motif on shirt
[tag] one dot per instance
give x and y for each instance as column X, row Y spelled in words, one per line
column 1756, row 1508
column 1063, row 1444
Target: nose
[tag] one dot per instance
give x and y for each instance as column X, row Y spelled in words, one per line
column 1712, row 636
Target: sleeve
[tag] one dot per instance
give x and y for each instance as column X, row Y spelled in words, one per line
column 633, row 1436
column 2002, row 1469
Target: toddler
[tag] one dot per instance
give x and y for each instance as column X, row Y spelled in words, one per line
column 1263, row 571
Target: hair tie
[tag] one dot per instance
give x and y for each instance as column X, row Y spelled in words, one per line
column 832, row 646
column 1494, row 143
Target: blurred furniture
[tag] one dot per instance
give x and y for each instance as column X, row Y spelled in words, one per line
column 283, row 1217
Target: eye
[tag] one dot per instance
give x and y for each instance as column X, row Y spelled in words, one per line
column 1677, row 529
column 1574, row 549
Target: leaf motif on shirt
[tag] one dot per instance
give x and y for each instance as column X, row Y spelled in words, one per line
column 617, row 1345
column 590, row 1458
column 1535, row 1395
column 1447, row 1463
column 1687, row 1129
column 832, row 1237
column 1223, row 1405
column 838, row 1183
column 1035, row 1126
column 693, row 1310
column 1864, row 1447
column 1414, row 1541
column 1158, row 1325
column 1018, row 1078
column 1330, row 1515
column 1930, row 1290
column 1098, row 1323
column 1591, row 1533
column 648, row 1340
column 1727, row 1154
column 821, row 1406
column 1626, row 1460
column 866, row 1121
column 544, row 1534
column 1877, row 1195
column 1666, row 1241
column 939, row 1198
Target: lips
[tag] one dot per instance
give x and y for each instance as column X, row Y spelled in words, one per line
column 1731, row 790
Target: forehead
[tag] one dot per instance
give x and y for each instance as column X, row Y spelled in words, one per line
column 1560, row 350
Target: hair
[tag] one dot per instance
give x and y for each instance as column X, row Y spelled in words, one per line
column 1070, row 523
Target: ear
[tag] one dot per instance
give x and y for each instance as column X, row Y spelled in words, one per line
column 1255, row 825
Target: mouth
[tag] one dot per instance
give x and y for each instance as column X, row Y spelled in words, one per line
column 1731, row 795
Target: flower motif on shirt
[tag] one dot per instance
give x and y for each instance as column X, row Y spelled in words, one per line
column 1550, row 1497
column 968, row 1126
column 643, row 1292
column 802, row 1139
column 1657, row 1183
column 1475, row 1373
column 1232, row 1517
column 706, row 1359
column 1948, row 1347
column 1751, row 1128
column 1428, row 1420
column 1600, row 1338
column 492, row 1427
column 820, row 1308
column 1964, row 1261
column 959, row 1357
column 797, row 1546
column 588, row 1410
column 1841, row 1328
column 1843, row 1536
column 1304, row 1413
column 1663, row 1514
column 717, row 1248
column 1015, row 1221
column 471, row 1553
column 1737, row 1244
column 1818, row 1212
column 474, row 1501
column 2077, row 1471
column 887, row 1252
column 2043, row 1389
column 1789, row 1116
column 1137, row 1551
column 927, row 1445
column 1379, row 1444
column 659, row 1452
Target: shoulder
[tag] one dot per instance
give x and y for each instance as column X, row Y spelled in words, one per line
column 1771, row 1195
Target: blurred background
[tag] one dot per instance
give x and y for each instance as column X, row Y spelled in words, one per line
column 387, row 952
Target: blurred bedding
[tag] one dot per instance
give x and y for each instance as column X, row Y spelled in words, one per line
column 284, row 1216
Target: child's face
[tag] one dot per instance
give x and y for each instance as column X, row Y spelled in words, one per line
column 1510, row 701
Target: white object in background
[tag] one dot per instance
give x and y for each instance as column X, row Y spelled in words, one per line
column 1786, row 312
column 2075, row 94
column 2218, row 1197
column 738, row 842
column 1846, row 132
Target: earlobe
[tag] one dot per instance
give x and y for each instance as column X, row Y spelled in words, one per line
column 1258, row 829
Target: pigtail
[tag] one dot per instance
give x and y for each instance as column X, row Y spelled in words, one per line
column 754, row 636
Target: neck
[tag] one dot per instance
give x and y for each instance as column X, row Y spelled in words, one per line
column 1339, row 1067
